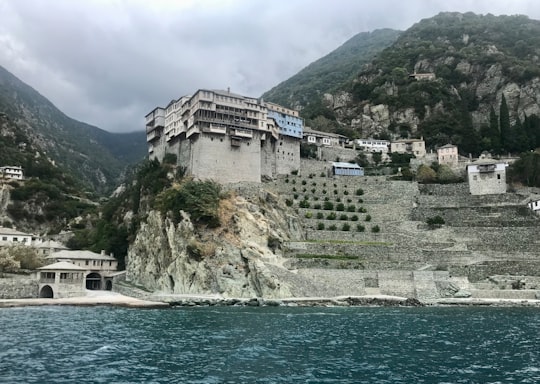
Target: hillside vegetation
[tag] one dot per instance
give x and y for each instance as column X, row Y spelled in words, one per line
column 94, row 156
column 305, row 90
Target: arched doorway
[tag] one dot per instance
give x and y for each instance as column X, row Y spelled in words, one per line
column 93, row 281
column 108, row 285
column 46, row 292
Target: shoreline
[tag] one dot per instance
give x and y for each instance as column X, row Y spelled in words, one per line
column 107, row 298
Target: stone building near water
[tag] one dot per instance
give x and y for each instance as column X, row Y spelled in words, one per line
column 226, row 137
column 72, row 272
column 486, row 177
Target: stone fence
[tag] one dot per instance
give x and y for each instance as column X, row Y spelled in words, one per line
column 17, row 288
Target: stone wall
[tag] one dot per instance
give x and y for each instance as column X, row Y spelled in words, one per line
column 17, row 288
column 213, row 157
column 335, row 153
column 287, row 155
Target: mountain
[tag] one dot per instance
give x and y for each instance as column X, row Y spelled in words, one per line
column 481, row 91
column 331, row 71
column 92, row 155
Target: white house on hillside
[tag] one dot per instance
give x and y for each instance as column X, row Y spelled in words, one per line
column 372, row 145
column 487, row 177
column 11, row 172
column 448, row 155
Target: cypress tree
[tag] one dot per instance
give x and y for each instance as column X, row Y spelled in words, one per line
column 504, row 124
column 494, row 134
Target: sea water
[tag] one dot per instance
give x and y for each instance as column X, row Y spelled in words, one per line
column 269, row 345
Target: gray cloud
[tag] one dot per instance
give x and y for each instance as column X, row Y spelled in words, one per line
column 109, row 63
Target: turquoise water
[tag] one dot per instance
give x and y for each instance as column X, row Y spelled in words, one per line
column 269, row 345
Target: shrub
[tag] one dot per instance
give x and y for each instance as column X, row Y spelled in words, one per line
column 425, row 174
column 338, row 199
column 328, row 205
column 324, row 184
column 293, row 181
column 343, row 217
column 351, row 208
column 335, row 192
column 340, row 207
column 304, row 182
column 198, row 198
column 314, row 184
column 362, row 210
column 295, row 172
column 435, row 222
column 308, row 215
column 345, row 192
column 326, row 198
column 360, row 228
column 316, row 198
column 294, row 189
column 169, row 158
column 313, row 190
column 324, row 191
column 273, row 243
column 304, row 190
column 320, row 215
column 360, row 201
column 359, row 192
column 354, row 217
column 320, row 226
column 349, row 200
column 333, row 227
column 331, row 216
column 317, row 206
column 346, row 227
column 286, row 180
column 288, row 202
column 295, row 196
column 304, row 204
column 368, row 218
column 375, row 229
column 322, row 174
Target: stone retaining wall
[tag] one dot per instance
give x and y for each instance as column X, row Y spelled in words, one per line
column 17, row 288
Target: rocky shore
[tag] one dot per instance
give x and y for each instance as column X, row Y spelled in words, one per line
column 100, row 298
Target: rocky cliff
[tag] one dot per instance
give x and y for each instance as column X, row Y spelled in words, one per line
column 234, row 260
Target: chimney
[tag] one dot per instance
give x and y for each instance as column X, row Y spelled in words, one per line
column 228, row 89
column 103, row 252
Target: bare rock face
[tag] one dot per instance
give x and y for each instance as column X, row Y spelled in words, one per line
column 232, row 260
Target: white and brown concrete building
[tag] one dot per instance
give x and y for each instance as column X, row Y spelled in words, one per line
column 226, row 137
column 487, row 177
column 416, row 147
column 448, row 155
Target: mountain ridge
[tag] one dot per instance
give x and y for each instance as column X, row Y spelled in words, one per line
column 96, row 156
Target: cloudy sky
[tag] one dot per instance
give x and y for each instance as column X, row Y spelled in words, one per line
column 109, row 62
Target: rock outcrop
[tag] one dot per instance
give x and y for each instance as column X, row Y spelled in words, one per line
column 231, row 260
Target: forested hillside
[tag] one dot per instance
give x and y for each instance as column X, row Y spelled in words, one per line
column 483, row 94
column 305, row 90
column 94, row 156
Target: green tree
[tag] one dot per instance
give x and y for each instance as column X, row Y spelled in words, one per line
column 425, row 174
column 376, row 157
column 7, row 262
column 504, row 124
column 494, row 133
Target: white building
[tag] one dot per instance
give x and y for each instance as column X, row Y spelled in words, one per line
column 416, row 147
column 448, row 155
column 226, row 137
column 325, row 139
column 10, row 236
column 12, row 172
column 486, row 177
column 534, row 206
column 372, row 145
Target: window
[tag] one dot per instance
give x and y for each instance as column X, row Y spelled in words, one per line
column 498, row 177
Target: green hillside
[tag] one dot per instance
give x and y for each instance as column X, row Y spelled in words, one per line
column 331, row 71
column 94, row 156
